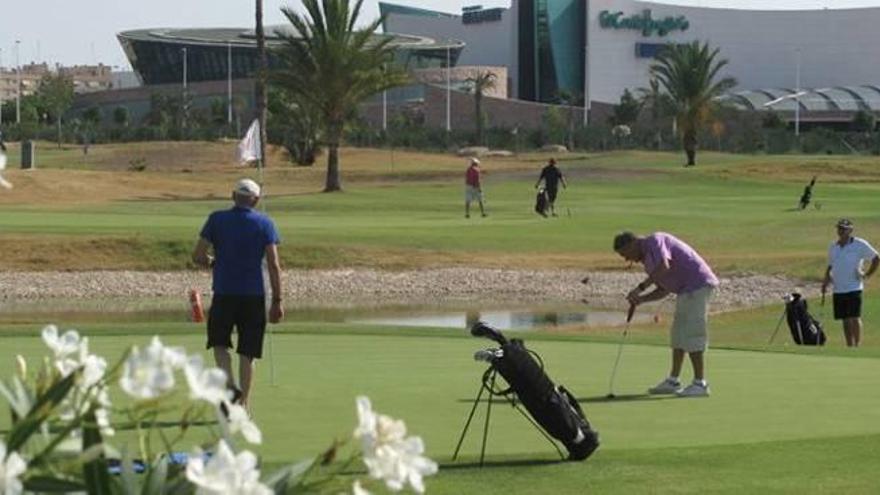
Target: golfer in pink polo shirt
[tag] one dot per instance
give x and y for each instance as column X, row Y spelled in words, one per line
column 674, row 267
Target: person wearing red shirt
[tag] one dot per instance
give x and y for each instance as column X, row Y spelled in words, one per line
column 473, row 191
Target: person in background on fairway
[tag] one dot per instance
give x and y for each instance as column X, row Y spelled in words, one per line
column 674, row 267
column 473, row 191
column 846, row 258
column 240, row 236
column 552, row 177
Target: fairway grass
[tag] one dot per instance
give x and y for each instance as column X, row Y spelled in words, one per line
column 738, row 210
column 775, row 423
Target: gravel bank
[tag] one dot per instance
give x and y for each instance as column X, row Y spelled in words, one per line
column 346, row 287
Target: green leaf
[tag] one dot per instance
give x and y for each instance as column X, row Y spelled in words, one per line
column 48, row 484
column 96, row 472
column 156, row 477
column 280, row 480
column 41, row 410
column 128, row 475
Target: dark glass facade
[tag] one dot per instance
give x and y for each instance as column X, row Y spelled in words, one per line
column 552, row 35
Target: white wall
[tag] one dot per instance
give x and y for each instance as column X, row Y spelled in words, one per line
column 488, row 43
column 838, row 47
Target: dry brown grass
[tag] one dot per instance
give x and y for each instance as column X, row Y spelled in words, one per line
column 201, row 170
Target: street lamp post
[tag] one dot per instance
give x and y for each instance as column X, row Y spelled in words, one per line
column 1, row 94
column 17, row 85
column 229, row 83
column 448, row 89
column 184, row 67
column 797, row 92
column 183, row 102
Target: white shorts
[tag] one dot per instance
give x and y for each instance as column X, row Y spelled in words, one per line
column 690, row 325
column 472, row 193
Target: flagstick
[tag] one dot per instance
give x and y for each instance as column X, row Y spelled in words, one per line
column 261, row 115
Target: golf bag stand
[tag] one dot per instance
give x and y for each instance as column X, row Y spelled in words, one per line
column 805, row 330
column 488, row 384
column 552, row 409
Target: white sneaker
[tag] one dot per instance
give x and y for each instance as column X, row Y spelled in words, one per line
column 694, row 390
column 667, row 386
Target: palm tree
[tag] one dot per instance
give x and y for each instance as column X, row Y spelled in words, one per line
column 334, row 66
column 481, row 82
column 261, row 95
column 688, row 74
column 657, row 103
column 573, row 100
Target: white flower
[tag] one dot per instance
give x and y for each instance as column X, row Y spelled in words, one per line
column 226, row 473
column 388, row 454
column 65, row 348
column 240, row 421
column 11, row 467
column 205, row 384
column 94, row 366
column 149, row 373
column 357, row 489
column 62, row 346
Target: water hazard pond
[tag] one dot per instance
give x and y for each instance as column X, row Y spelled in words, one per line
column 505, row 316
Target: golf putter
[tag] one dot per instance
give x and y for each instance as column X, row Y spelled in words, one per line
column 629, row 317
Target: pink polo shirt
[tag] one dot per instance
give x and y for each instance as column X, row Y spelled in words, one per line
column 687, row 270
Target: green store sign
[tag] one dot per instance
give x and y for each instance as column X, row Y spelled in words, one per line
column 643, row 22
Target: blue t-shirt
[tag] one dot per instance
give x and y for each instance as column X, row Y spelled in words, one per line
column 240, row 237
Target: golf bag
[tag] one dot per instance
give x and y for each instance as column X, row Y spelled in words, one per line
column 552, row 407
column 542, row 202
column 805, row 330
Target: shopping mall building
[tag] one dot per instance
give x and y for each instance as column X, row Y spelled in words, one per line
column 601, row 47
column 822, row 63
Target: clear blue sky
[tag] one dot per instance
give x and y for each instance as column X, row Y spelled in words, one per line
column 83, row 31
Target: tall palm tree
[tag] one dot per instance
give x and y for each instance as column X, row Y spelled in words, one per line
column 335, row 66
column 657, row 103
column 688, row 74
column 261, row 94
column 480, row 83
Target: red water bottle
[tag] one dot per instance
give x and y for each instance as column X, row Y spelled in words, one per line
column 197, row 313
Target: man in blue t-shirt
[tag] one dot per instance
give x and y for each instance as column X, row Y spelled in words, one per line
column 240, row 237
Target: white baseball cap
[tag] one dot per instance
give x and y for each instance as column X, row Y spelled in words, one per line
column 475, row 160
column 247, row 187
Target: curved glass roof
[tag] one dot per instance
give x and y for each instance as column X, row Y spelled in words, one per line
column 247, row 37
column 843, row 98
column 870, row 97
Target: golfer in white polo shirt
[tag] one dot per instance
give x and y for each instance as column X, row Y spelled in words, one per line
column 846, row 270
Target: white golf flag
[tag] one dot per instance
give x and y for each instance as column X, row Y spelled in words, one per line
column 3, row 182
column 249, row 147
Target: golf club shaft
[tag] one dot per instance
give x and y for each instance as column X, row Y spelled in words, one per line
column 619, row 351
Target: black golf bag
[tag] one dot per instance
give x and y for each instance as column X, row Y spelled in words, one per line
column 805, row 330
column 552, row 407
column 542, row 202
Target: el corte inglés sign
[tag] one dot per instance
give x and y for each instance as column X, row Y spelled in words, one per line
column 643, row 22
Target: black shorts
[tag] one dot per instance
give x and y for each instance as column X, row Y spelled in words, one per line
column 848, row 305
column 551, row 194
column 247, row 314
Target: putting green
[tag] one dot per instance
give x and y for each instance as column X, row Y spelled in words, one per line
column 430, row 381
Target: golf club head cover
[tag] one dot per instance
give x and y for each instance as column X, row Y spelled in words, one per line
column 481, row 329
column 488, row 355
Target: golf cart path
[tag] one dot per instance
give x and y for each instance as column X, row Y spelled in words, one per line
column 348, row 286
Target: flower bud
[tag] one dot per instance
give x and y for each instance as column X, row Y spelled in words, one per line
column 21, row 367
